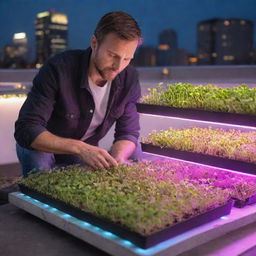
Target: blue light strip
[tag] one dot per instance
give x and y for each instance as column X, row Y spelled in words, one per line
column 106, row 234
column 224, row 218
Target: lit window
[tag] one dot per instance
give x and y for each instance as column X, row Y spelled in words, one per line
column 201, row 28
column 153, row 60
column 192, row 59
column 43, row 14
column 58, row 40
column 242, row 22
column 214, row 54
column 59, row 27
column 39, row 33
column 39, row 26
column 164, row 47
column 228, row 57
column 226, row 23
column 59, row 18
column 19, row 35
column 57, row 46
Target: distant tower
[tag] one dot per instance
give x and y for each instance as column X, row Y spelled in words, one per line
column 51, row 35
column 20, row 38
column 21, row 42
column 167, row 48
column 16, row 54
column 206, row 42
column 225, row 41
column 145, row 56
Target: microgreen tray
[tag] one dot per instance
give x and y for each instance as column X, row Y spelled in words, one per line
column 243, row 203
column 136, row 238
column 198, row 114
column 201, row 158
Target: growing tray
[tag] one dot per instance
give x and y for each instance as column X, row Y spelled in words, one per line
column 243, row 203
column 215, row 161
column 198, row 114
column 136, row 238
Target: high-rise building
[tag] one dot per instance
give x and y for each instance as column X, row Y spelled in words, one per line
column 145, row 56
column 254, row 56
column 167, row 48
column 20, row 38
column 225, row 41
column 21, row 41
column 206, row 41
column 182, row 57
column 16, row 54
column 51, row 35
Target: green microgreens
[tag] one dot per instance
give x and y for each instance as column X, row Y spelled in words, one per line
column 239, row 99
column 226, row 143
column 132, row 196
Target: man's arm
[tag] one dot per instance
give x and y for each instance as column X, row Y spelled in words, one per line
column 31, row 131
column 94, row 156
column 122, row 150
column 127, row 126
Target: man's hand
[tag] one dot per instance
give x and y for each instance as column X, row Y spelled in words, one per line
column 93, row 156
column 96, row 157
column 121, row 150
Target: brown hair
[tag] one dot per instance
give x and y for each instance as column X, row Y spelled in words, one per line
column 120, row 23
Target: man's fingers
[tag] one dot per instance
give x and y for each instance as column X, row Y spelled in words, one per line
column 98, row 165
column 98, row 158
column 104, row 162
column 111, row 160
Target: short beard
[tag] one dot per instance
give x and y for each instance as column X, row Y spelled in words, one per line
column 101, row 71
column 98, row 69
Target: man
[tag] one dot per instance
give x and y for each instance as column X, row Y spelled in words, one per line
column 77, row 96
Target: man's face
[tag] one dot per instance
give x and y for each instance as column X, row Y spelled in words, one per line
column 112, row 55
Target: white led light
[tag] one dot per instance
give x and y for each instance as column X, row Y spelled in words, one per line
column 19, row 35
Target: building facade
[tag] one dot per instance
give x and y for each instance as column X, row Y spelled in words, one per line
column 167, row 48
column 51, row 30
column 16, row 55
column 225, row 42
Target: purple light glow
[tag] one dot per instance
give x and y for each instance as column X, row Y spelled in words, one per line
column 202, row 121
column 180, row 160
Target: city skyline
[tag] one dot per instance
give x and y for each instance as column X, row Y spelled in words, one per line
column 182, row 16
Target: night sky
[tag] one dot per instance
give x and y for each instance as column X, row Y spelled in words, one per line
column 152, row 15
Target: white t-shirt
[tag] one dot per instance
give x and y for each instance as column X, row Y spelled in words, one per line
column 100, row 97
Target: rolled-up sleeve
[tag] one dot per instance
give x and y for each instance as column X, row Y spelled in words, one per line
column 127, row 126
column 37, row 108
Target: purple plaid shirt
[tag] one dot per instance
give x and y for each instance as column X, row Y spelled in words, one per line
column 60, row 102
